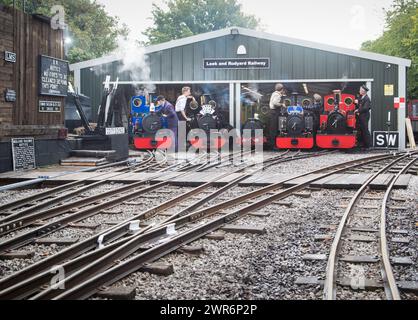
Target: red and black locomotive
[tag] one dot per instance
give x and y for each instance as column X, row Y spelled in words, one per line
column 338, row 122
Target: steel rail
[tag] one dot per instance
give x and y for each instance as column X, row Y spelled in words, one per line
column 388, row 275
column 46, row 194
column 92, row 242
column 19, row 222
column 102, row 263
column 90, row 286
column 330, row 283
column 28, row 237
column 103, row 259
column 40, row 180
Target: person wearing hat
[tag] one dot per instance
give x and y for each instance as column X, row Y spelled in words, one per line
column 276, row 106
column 168, row 111
column 363, row 115
column 315, row 110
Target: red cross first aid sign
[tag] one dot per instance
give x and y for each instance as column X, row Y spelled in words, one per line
column 399, row 103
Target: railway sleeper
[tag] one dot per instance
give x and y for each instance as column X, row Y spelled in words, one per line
column 117, row 293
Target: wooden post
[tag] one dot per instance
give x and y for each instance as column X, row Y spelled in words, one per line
column 410, row 131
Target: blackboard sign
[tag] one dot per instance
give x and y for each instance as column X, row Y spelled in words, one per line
column 238, row 63
column 23, row 150
column 49, row 106
column 53, row 77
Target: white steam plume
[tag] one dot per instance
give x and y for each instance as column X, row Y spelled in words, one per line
column 134, row 62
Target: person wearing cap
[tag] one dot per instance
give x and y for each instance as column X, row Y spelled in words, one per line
column 315, row 109
column 168, row 111
column 363, row 114
column 276, row 106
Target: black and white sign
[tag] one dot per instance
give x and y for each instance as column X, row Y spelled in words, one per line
column 115, row 131
column 49, row 106
column 384, row 139
column 53, row 77
column 238, row 63
column 23, row 150
column 10, row 56
column 10, row 95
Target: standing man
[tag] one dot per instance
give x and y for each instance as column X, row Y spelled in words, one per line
column 168, row 111
column 181, row 103
column 276, row 107
column 315, row 110
column 363, row 114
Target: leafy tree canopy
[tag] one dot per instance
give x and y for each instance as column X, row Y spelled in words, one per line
column 400, row 39
column 93, row 31
column 183, row 18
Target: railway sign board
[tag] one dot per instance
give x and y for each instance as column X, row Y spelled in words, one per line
column 399, row 102
column 237, row 63
column 53, row 76
column 10, row 56
column 50, row 106
column 115, row 131
column 386, row 140
column 10, row 95
column 23, row 150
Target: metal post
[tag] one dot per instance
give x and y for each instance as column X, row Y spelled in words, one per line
column 77, row 80
column 238, row 107
column 231, row 105
column 402, row 107
column 369, row 85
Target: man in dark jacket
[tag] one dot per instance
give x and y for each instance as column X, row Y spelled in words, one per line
column 168, row 111
column 315, row 111
column 363, row 116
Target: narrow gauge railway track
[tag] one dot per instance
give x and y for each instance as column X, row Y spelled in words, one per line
column 81, row 286
column 39, row 181
column 31, row 215
column 136, row 241
column 54, row 195
column 94, row 204
column 123, row 229
column 377, row 260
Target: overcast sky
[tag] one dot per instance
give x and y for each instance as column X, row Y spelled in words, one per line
column 343, row 23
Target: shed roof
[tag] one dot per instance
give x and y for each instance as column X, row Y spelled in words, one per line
column 249, row 33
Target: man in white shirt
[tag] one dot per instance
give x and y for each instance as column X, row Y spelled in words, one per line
column 182, row 103
column 276, row 104
column 276, row 98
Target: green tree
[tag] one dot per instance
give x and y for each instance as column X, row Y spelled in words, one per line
column 185, row 18
column 400, row 39
column 93, row 31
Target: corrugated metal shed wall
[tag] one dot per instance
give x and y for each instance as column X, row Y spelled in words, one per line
column 288, row 62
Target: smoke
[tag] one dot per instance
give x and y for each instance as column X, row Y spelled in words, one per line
column 134, row 62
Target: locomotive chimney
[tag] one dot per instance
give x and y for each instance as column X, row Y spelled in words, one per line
column 337, row 99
